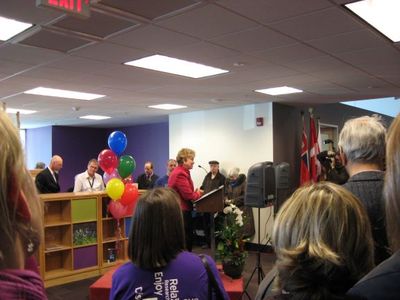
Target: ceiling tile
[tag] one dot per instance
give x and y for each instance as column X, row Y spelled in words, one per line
column 318, row 24
column 348, row 41
column 153, row 38
column 150, row 9
column 29, row 55
column 289, row 53
column 207, row 22
column 54, row 41
column 273, row 10
column 254, row 39
column 99, row 24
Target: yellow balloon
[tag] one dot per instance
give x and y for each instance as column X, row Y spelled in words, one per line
column 115, row 188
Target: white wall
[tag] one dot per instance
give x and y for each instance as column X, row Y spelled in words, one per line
column 228, row 135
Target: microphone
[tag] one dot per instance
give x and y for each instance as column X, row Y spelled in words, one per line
column 203, row 169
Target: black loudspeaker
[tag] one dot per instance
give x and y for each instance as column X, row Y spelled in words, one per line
column 261, row 188
column 282, row 180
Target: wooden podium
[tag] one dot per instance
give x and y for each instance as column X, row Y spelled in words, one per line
column 211, row 202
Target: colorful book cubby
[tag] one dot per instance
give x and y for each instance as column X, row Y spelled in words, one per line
column 81, row 239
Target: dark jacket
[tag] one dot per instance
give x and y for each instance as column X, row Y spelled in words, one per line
column 368, row 187
column 235, row 191
column 45, row 182
column 210, row 184
column 145, row 183
column 382, row 282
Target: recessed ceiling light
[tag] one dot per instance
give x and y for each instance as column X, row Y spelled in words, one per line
column 21, row 111
column 282, row 90
column 167, row 106
column 63, row 93
column 381, row 14
column 94, row 117
column 10, row 28
column 175, row 66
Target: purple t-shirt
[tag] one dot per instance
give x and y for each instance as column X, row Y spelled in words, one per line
column 184, row 278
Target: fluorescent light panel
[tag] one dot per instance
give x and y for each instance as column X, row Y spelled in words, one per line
column 10, row 28
column 21, row 111
column 381, row 14
column 43, row 91
column 282, row 90
column 175, row 66
column 167, row 106
column 94, row 117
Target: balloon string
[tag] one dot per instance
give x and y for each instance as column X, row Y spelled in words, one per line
column 118, row 235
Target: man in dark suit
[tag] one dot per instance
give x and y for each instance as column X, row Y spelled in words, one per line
column 47, row 180
column 362, row 150
column 147, row 180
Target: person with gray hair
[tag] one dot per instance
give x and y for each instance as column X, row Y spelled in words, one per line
column 89, row 181
column 235, row 189
column 362, row 150
column 47, row 180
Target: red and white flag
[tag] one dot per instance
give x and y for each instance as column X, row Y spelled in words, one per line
column 315, row 167
column 304, row 169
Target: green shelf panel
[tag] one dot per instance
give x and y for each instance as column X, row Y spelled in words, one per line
column 84, row 210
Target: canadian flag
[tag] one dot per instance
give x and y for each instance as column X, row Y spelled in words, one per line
column 315, row 167
column 304, row 170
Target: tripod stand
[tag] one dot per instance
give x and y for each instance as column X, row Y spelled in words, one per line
column 258, row 267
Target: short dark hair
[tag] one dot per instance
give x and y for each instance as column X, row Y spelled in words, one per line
column 157, row 234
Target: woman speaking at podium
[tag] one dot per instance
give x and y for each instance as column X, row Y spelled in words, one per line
column 181, row 181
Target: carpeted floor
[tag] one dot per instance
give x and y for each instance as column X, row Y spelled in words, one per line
column 80, row 290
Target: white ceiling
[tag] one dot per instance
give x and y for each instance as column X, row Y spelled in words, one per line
column 314, row 45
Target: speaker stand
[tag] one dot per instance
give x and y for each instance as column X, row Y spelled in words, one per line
column 258, row 268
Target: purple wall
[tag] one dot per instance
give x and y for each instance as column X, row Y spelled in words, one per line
column 148, row 142
column 38, row 146
column 76, row 145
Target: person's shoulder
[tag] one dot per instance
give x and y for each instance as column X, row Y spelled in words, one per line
column 381, row 280
column 127, row 268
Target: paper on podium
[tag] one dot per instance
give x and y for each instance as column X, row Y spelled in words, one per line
column 211, row 202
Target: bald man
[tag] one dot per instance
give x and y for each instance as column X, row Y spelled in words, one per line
column 47, row 180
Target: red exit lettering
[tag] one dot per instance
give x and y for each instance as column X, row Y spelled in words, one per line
column 78, row 7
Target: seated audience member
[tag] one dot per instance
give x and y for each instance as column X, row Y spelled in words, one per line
column 235, row 189
column 181, row 181
column 383, row 281
column 89, row 181
column 20, row 220
column 40, row 165
column 47, row 180
column 148, row 178
column 362, row 148
column 323, row 244
column 163, row 181
column 159, row 267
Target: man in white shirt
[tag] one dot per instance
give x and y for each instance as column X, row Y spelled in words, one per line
column 89, row 181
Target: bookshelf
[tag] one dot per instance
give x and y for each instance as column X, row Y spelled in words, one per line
column 81, row 239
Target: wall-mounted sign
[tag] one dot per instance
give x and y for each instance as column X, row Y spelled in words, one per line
column 79, row 8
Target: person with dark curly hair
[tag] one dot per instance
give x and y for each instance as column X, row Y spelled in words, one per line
column 323, row 244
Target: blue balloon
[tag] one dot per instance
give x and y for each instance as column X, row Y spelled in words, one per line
column 117, row 142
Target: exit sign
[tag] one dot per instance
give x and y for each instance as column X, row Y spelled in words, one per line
column 76, row 7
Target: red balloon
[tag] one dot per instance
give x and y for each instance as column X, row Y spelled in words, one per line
column 118, row 210
column 108, row 161
column 130, row 194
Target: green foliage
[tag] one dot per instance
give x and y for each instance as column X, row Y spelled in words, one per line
column 230, row 247
column 84, row 236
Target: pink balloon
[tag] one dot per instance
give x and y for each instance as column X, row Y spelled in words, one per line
column 108, row 161
column 118, row 210
column 130, row 194
column 107, row 177
column 128, row 179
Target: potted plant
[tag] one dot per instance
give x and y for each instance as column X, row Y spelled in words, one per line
column 231, row 243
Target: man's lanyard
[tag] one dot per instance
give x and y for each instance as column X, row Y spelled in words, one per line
column 91, row 183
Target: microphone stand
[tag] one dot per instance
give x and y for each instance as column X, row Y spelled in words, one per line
column 203, row 169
